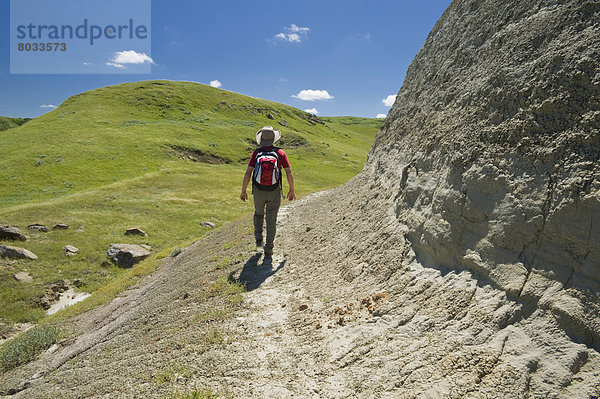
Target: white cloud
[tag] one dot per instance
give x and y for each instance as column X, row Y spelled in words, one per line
column 47, row 106
column 381, row 116
column 296, row 28
column 116, row 65
column 294, row 34
column 312, row 95
column 311, row 111
column 215, row 83
column 87, row 63
column 361, row 37
column 129, row 57
column 389, row 100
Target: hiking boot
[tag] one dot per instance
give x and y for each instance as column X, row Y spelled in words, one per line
column 268, row 254
column 259, row 243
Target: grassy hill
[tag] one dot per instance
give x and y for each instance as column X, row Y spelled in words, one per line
column 9, row 123
column 160, row 155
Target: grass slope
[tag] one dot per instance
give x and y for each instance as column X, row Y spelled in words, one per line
column 9, row 123
column 127, row 155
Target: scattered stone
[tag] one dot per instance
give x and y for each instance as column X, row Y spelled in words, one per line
column 185, row 295
column 11, row 233
column 210, row 225
column 283, row 305
column 270, row 116
column 60, row 226
column 7, row 251
column 135, row 231
column 39, row 227
column 78, row 283
column 146, row 246
column 308, row 228
column 283, row 123
column 23, row 277
column 303, row 307
column 52, row 294
column 80, row 229
column 59, row 286
column 127, row 255
column 70, row 250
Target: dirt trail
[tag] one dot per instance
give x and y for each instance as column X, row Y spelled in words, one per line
column 277, row 342
column 344, row 310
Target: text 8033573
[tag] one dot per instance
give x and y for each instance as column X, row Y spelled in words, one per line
column 42, row 46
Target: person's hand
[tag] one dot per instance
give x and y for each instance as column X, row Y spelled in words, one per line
column 291, row 196
column 244, row 196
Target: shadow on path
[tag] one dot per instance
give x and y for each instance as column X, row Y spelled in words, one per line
column 254, row 273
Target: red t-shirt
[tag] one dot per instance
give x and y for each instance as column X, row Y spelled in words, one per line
column 282, row 158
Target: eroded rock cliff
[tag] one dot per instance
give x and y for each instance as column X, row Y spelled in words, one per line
column 490, row 153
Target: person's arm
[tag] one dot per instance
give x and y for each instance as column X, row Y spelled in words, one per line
column 290, row 178
column 247, row 177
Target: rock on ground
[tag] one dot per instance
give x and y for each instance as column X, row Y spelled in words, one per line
column 135, row 231
column 127, row 255
column 11, row 233
column 38, row 226
column 70, row 250
column 23, row 277
column 7, row 251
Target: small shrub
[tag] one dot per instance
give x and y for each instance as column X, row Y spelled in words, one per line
column 172, row 374
column 213, row 337
column 175, row 252
column 27, row 346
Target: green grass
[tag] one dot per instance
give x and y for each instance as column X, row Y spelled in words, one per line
column 9, row 123
column 27, row 346
column 171, row 374
column 118, row 157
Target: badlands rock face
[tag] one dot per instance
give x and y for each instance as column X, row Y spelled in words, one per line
column 490, row 153
column 489, row 164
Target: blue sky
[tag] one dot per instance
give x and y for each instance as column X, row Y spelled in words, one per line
column 338, row 57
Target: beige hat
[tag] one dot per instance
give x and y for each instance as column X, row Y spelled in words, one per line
column 267, row 136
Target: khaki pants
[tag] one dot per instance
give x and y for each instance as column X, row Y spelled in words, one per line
column 271, row 201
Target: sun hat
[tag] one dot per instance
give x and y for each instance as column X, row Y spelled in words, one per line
column 267, row 136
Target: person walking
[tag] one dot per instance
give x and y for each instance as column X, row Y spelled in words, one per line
column 264, row 169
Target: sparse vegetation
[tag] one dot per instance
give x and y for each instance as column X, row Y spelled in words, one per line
column 172, row 374
column 27, row 346
column 175, row 252
column 226, row 285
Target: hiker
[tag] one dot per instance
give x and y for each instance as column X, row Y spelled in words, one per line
column 264, row 168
